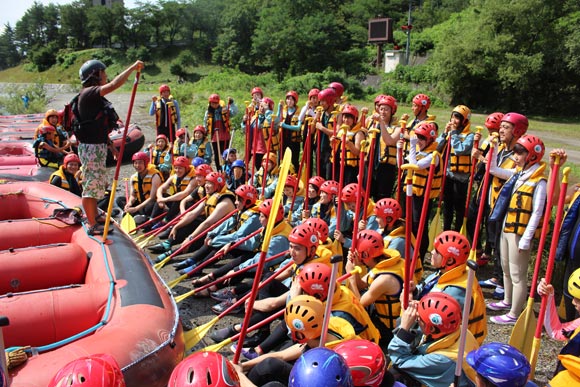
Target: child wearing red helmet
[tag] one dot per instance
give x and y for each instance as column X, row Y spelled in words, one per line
column 165, row 108
column 217, row 124
column 68, row 175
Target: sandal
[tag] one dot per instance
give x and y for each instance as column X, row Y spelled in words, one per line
column 501, row 305
column 205, row 292
column 101, row 218
column 504, row 319
column 98, row 229
column 206, row 279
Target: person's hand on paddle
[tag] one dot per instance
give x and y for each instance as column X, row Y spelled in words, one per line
column 305, row 214
column 207, row 241
column 545, row 289
column 362, row 224
column 338, row 236
column 405, row 117
column 224, row 250
column 410, row 316
column 558, row 152
column 412, row 288
column 129, row 209
column 353, row 260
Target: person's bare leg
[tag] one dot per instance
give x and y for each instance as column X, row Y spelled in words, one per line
column 90, row 207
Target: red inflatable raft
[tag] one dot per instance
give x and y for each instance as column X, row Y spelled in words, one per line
column 68, row 295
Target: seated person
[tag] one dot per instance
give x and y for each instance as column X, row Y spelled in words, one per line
column 47, row 153
column 67, row 176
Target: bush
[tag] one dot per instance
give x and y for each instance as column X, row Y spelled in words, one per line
column 139, row 53
column 66, row 58
column 44, row 57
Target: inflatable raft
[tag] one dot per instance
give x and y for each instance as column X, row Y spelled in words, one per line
column 68, row 295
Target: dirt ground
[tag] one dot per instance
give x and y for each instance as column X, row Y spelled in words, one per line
column 196, row 311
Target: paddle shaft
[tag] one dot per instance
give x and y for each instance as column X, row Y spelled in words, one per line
column 408, row 229
column 471, row 175
column 359, row 198
column 483, row 198
column 371, row 159
column 403, row 124
column 176, row 219
column 472, row 268
column 335, row 260
column 120, row 156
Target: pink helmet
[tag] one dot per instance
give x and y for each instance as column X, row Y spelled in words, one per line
column 519, row 121
column 338, row 88
column 313, row 92
column 99, row 370
column 47, row 129
column 73, row 158
column 204, row 369
column 215, row 98
column 163, row 88
column 257, row 90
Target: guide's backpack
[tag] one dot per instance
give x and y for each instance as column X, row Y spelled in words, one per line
column 107, row 118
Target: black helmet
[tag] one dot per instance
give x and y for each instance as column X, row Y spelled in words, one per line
column 89, row 68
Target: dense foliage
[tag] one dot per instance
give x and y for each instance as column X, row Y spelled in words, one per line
column 488, row 54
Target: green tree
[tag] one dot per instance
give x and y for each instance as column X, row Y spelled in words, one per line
column 9, row 55
column 101, row 24
column 74, row 24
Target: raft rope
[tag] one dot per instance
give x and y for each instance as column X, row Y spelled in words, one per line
column 86, row 332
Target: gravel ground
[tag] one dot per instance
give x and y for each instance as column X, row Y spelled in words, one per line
column 196, row 311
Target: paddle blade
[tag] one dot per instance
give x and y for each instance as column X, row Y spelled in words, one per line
column 159, row 265
column 193, row 336
column 218, row 346
column 178, row 299
column 522, row 335
column 145, row 241
column 128, row 223
column 435, row 228
column 171, row 284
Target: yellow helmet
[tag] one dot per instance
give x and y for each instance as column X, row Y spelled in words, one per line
column 304, row 315
column 50, row 112
column 574, row 284
column 464, row 111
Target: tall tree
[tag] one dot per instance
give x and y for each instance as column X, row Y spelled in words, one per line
column 9, row 55
column 74, row 24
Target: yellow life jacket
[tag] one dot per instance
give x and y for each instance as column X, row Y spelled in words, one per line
column 201, row 148
column 269, row 177
column 63, row 181
column 388, row 153
column 571, row 375
column 160, row 156
column 143, row 189
column 346, row 305
column 477, row 316
column 215, row 198
column 275, row 140
column 170, row 106
column 350, row 159
column 521, row 204
column 225, row 122
column 448, row 346
column 420, row 176
column 388, row 307
column 496, row 182
column 460, row 163
column 175, row 188
column 399, row 232
column 295, row 136
column 341, row 329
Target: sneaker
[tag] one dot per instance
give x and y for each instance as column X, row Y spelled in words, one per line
column 222, row 306
column 223, row 294
column 160, row 247
column 248, row 353
column 498, row 293
column 183, row 264
column 489, row 283
column 161, row 257
column 504, row 319
column 220, row 335
column 158, row 225
column 500, row 305
column 257, row 338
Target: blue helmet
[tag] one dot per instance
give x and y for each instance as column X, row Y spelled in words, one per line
column 197, row 161
column 501, row 364
column 227, row 152
column 320, row 367
column 239, row 163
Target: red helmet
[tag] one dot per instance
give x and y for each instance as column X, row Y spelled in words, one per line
column 163, row 88
column 313, row 92
column 139, row 156
column 99, row 370
column 181, row 132
column 268, row 101
column 217, row 179
column 371, row 243
column 338, row 88
column 349, row 193
column 303, row 316
column 215, row 98
column 534, row 146
column 320, row 226
column 204, row 369
column 73, row 158
column 379, row 97
column 440, row 313
column 422, row 100
column 304, row 235
column 389, row 101
column 388, row 208
column 316, row 181
column 452, row 245
column 427, row 129
column 292, row 94
column 247, row 193
column 181, row 161
column 330, row 187
column 328, row 95
column 266, row 207
column 493, row 121
column 366, row 361
column 352, row 110
column 199, row 128
column 162, row 137
column 203, row 170
column 291, row 181
column 519, row 121
column 257, row 90
column 47, row 129
column 314, row 280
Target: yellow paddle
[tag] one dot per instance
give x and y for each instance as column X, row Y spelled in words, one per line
column 128, row 222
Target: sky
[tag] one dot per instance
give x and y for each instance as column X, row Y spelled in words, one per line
column 14, row 12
